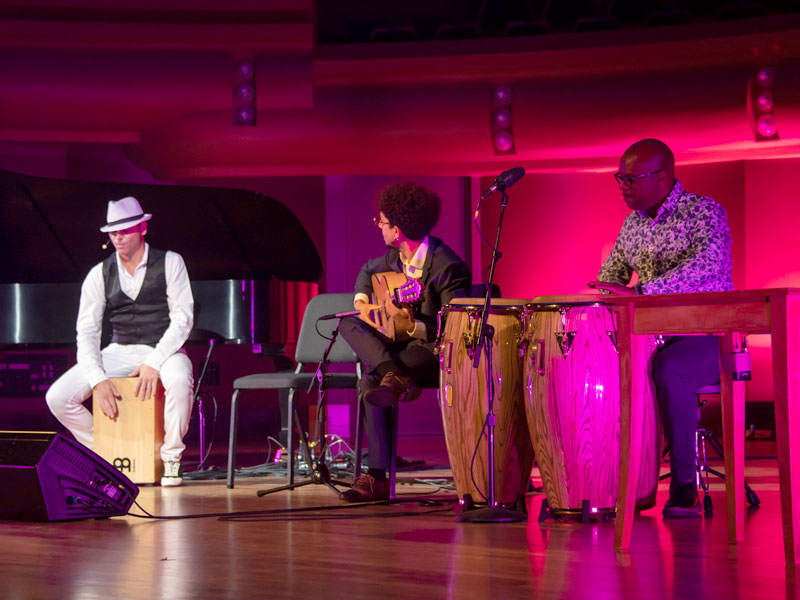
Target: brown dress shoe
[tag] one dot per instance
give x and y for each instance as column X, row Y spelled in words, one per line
column 366, row 489
column 393, row 388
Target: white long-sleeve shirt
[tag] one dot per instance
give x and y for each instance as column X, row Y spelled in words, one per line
column 93, row 304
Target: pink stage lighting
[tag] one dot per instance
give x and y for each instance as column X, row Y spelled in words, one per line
column 244, row 93
column 761, row 104
column 502, row 135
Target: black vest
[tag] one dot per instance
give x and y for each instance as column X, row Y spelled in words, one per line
column 140, row 321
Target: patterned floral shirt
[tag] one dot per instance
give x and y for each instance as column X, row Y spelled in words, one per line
column 685, row 248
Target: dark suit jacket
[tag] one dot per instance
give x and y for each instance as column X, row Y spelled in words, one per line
column 444, row 276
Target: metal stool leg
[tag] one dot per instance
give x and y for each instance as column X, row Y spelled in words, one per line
column 290, row 439
column 359, row 435
column 232, row 437
column 393, row 467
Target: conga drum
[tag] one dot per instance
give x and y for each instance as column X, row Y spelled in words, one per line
column 463, row 397
column 132, row 442
column 571, row 374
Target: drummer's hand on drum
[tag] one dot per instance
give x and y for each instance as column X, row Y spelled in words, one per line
column 106, row 395
column 146, row 385
column 614, row 288
column 402, row 317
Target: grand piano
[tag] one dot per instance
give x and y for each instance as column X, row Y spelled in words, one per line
column 237, row 244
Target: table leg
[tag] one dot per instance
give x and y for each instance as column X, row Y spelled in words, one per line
column 732, row 393
column 785, row 330
column 630, row 416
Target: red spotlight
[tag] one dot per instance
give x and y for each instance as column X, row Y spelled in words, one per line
column 502, row 117
column 764, row 102
column 503, row 142
column 244, row 93
column 765, row 127
column 502, row 96
column 761, row 103
column 765, row 77
column 501, row 130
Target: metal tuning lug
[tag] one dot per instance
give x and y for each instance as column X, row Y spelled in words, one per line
column 446, row 357
column 612, row 335
column 565, row 339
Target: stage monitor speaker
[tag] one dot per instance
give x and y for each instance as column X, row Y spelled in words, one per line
column 47, row 477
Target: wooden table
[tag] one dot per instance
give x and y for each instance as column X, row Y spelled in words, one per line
column 773, row 311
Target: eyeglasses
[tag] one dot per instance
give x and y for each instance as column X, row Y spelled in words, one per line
column 379, row 223
column 628, row 180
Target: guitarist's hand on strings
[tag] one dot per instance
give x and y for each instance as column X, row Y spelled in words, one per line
column 366, row 309
column 402, row 317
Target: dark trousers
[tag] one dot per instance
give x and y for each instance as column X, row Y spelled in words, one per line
column 413, row 359
column 682, row 366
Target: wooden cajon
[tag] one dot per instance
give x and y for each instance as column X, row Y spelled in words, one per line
column 132, row 443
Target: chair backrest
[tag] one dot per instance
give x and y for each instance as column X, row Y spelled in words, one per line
column 310, row 344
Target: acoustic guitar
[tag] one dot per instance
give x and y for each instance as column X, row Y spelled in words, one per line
column 397, row 287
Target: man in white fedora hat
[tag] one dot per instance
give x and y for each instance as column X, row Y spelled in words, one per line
column 146, row 296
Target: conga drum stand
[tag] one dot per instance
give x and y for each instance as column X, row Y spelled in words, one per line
column 492, row 513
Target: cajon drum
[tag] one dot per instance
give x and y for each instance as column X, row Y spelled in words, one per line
column 132, row 443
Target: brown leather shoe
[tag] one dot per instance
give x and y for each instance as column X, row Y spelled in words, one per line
column 393, row 388
column 366, row 489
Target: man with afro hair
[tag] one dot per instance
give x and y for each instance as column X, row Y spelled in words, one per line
column 395, row 370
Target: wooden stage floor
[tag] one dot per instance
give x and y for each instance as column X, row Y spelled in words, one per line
column 325, row 549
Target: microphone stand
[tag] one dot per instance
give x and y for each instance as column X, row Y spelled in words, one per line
column 198, row 399
column 493, row 513
column 318, row 470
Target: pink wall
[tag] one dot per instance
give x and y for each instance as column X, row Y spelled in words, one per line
column 558, row 229
column 352, row 239
column 352, row 236
column 773, row 223
column 773, row 249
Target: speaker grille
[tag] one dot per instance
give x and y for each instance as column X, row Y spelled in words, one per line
column 50, row 477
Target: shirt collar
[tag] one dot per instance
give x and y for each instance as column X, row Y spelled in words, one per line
column 142, row 264
column 669, row 205
column 413, row 267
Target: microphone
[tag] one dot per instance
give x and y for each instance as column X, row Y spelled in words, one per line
column 104, row 246
column 505, row 180
column 341, row 315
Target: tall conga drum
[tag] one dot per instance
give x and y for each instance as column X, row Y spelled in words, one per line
column 571, row 374
column 132, row 442
column 463, row 397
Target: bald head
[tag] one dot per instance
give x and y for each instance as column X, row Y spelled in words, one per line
column 647, row 172
column 655, row 154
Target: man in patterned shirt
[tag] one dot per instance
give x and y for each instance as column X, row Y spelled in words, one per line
column 676, row 242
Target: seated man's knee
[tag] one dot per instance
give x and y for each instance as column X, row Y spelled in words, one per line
column 177, row 373
column 53, row 399
column 668, row 368
column 57, row 397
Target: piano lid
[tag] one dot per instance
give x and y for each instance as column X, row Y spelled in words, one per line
column 49, row 230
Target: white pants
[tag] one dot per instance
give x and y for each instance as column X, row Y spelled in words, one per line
column 67, row 395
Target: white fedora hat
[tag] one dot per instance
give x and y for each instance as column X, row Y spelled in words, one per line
column 124, row 213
